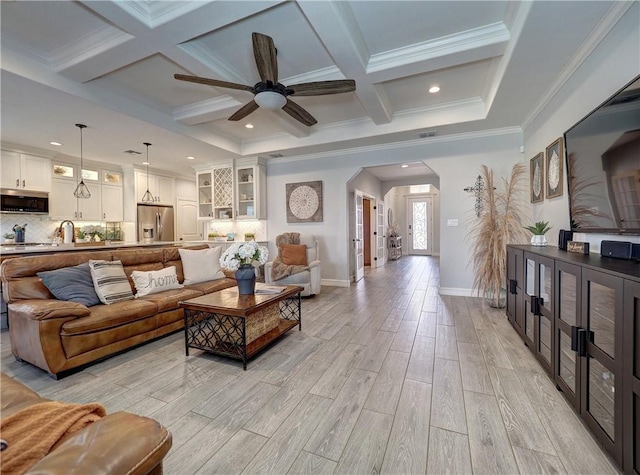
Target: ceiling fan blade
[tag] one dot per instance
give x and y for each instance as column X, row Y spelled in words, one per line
column 264, row 52
column 244, row 111
column 321, row 88
column 298, row 113
column 213, row 82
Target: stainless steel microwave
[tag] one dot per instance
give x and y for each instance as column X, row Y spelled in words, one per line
column 20, row 201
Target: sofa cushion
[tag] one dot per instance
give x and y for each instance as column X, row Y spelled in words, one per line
column 201, row 266
column 293, row 254
column 152, row 282
column 71, row 284
column 168, row 300
column 109, row 316
column 213, row 285
column 110, row 281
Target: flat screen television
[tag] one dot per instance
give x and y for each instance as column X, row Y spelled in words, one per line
column 603, row 166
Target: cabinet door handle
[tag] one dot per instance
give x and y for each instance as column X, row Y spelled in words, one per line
column 80, row 214
column 104, row 215
column 24, row 183
column 535, row 305
column 17, row 182
column 579, row 338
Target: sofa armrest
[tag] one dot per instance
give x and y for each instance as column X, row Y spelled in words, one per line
column 314, row 264
column 267, row 272
column 116, row 444
column 316, row 277
column 45, row 309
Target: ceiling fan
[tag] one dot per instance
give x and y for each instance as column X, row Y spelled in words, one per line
column 269, row 93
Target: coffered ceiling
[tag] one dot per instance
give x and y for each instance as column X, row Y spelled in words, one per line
column 110, row 65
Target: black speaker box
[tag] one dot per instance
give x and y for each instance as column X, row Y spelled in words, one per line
column 617, row 249
column 563, row 238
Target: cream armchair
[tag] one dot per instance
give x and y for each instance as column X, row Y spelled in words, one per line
column 309, row 279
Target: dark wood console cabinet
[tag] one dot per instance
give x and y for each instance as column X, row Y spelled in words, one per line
column 580, row 316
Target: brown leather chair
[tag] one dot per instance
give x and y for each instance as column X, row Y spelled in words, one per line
column 116, row 444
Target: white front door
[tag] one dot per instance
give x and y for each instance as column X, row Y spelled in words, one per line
column 187, row 220
column 380, row 237
column 358, row 240
column 420, row 221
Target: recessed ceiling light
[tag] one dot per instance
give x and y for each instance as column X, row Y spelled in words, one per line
column 191, row 158
column 145, row 163
column 57, row 144
column 249, row 126
column 405, row 166
column 434, row 89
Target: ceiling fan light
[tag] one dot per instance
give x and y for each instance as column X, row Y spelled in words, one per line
column 270, row 100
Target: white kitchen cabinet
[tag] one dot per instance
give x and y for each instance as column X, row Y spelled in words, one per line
column 91, row 209
column 251, row 191
column 205, row 194
column 162, row 188
column 112, row 203
column 25, row 172
column 62, row 203
column 222, row 183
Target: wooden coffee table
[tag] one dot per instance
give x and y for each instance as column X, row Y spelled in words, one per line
column 239, row 326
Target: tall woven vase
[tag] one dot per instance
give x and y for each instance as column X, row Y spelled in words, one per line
column 246, row 278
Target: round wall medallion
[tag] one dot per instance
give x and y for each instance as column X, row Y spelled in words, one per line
column 304, row 202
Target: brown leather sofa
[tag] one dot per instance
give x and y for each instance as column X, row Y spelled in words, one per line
column 58, row 336
column 116, row 444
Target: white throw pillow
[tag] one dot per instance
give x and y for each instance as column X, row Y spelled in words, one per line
column 110, row 281
column 151, row 282
column 202, row 265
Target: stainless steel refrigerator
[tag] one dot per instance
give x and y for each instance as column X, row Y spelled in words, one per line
column 155, row 223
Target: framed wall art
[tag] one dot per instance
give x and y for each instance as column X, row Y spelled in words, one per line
column 554, row 158
column 304, row 202
column 536, row 178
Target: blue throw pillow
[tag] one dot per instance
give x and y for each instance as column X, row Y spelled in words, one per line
column 72, row 284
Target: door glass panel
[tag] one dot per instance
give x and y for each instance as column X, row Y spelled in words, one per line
column 420, row 225
column 602, row 322
column 528, row 321
column 567, row 362
column 568, row 298
column 545, row 285
column 601, row 401
column 530, row 277
column 544, row 344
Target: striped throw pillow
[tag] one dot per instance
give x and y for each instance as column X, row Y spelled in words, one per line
column 110, row 281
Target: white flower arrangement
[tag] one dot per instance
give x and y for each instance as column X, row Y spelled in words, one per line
column 244, row 253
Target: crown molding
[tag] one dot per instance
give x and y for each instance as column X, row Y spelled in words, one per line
column 153, row 13
column 90, row 45
column 473, row 39
column 610, row 19
column 220, row 68
column 400, row 145
column 189, row 112
column 8, row 44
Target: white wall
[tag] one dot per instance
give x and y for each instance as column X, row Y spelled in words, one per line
column 615, row 62
column 186, row 189
column 456, row 160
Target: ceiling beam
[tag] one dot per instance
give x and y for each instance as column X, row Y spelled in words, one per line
column 336, row 27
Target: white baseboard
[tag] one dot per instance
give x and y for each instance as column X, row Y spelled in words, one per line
column 335, row 283
column 457, row 292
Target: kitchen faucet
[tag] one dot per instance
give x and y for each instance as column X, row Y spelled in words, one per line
column 73, row 229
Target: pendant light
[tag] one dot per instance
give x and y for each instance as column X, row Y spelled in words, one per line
column 147, row 197
column 81, row 190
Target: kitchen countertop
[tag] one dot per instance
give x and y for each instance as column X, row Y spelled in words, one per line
column 10, row 250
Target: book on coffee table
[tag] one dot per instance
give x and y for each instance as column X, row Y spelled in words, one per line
column 269, row 289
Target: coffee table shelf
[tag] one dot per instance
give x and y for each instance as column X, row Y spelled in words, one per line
column 239, row 326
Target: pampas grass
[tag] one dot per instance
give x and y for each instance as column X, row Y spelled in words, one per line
column 499, row 224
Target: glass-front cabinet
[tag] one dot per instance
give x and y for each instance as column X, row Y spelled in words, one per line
column 538, row 318
column 250, row 189
column 601, row 371
column 205, row 194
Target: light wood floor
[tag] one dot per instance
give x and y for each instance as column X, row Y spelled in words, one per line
column 385, row 377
